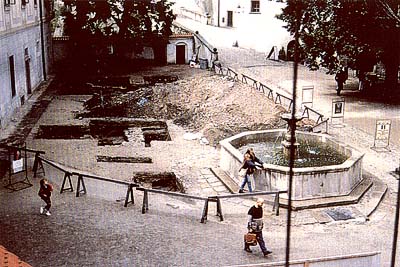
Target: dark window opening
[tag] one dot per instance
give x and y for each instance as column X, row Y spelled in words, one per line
column 255, row 7
column 12, row 75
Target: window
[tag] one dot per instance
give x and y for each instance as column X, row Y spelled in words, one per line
column 255, row 7
column 24, row 2
column 12, row 75
column 7, row 4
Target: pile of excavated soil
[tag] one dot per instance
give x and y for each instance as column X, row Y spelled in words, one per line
column 198, row 100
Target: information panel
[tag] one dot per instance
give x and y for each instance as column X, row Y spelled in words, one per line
column 337, row 111
column 382, row 133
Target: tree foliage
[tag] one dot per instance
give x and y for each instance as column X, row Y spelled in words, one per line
column 351, row 32
column 127, row 25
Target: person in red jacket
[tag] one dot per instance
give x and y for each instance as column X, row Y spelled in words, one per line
column 45, row 193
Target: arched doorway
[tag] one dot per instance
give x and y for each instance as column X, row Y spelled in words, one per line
column 180, row 54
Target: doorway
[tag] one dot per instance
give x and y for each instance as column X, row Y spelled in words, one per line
column 180, row 54
column 28, row 71
column 229, row 23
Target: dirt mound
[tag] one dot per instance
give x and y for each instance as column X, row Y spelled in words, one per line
column 199, row 101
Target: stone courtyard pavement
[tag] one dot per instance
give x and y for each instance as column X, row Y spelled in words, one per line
column 97, row 230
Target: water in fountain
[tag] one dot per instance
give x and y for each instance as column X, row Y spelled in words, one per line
column 309, row 154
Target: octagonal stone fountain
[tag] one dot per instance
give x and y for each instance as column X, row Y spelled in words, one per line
column 323, row 167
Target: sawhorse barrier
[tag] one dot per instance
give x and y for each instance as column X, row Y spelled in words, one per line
column 217, row 199
column 81, row 187
column 233, row 74
column 37, row 164
column 270, row 94
column 278, row 100
column 67, row 174
column 81, row 183
column 145, row 206
column 246, row 79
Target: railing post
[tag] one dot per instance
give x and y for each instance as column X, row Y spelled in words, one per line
column 276, row 204
column 145, row 205
column 129, row 192
column 219, row 209
column 37, row 164
column 205, row 212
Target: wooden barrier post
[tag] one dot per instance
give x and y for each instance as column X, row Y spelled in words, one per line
column 78, row 188
column 129, row 192
column 67, row 175
column 219, row 209
column 205, row 212
column 276, row 204
column 145, row 206
column 38, row 165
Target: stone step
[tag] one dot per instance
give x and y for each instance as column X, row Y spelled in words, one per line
column 353, row 198
column 374, row 197
column 229, row 183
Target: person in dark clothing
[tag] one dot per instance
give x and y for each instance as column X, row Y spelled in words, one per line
column 250, row 167
column 256, row 160
column 45, row 193
column 250, row 163
column 340, row 77
column 255, row 225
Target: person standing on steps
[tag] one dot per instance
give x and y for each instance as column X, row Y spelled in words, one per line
column 255, row 225
column 249, row 164
column 45, row 193
column 249, row 167
column 256, row 160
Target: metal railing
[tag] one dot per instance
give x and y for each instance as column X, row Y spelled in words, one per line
column 279, row 98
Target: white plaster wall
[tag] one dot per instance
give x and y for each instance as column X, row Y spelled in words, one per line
column 264, row 25
column 15, row 44
column 20, row 29
column 171, row 49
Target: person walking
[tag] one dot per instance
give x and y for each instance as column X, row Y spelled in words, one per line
column 45, row 193
column 255, row 225
column 340, row 77
column 248, row 168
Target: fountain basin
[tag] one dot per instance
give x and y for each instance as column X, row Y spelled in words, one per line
column 308, row 182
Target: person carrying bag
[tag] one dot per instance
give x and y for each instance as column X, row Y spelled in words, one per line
column 255, row 226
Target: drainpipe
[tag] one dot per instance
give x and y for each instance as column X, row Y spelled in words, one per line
column 219, row 6
column 42, row 39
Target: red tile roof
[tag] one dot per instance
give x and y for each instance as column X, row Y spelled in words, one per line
column 8, row 259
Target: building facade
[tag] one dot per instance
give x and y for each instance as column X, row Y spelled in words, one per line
column 248, row 18
column 25, row 52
